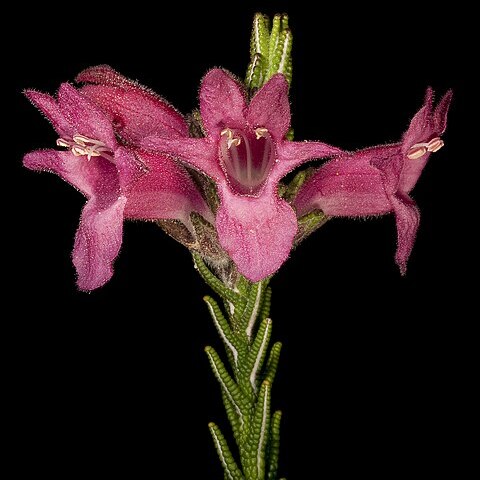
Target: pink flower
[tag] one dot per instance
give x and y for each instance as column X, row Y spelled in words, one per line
column 245, row 152
column 378, row 180
column 118, row 180
column 135, row 111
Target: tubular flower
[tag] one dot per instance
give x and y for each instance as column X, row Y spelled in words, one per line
column 246, row 154
column 135, row 111
column 378, row 180
column 119, row 181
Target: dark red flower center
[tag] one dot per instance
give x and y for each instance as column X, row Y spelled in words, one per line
column 246, row 158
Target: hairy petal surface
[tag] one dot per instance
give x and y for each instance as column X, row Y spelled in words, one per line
column 222, row 102
column 97, row 243
column 256, row 232
column 136, row 111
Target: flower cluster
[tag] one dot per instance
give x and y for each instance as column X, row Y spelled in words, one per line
column 213, row 180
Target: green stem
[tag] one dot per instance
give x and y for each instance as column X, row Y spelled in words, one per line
column 246, row 381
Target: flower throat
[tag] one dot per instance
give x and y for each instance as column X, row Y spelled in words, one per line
column 246, row 158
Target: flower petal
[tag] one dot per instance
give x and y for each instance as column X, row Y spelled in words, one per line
column 348, row 186
column 293, row 154
column 97, row 243
column 270, row 108
column 130, row 168
column 165, row 192
column 390, row 164
column 257, row 233
column 363, row 184
column 407, row 217
column 50, row 108
column 85, row 117
column 103, row 75
column 425, row 125
column 441, row 111
column 421, row 126
column 199, row 153
column 90, row 177
column 136, row 111
column 222, row 102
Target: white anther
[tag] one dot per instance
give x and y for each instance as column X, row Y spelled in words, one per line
column 63, row 143
column 85, row 146
column 261, row 132
column 227, row 132
column 233, row 141
column 416, row 151
column 435, row 144
column 420, row 149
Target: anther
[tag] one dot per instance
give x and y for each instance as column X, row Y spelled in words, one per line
column 420, row 149
column 261, row 132
column 233, row 141
column 435, row 144
column 85, row 146
column 416, row 151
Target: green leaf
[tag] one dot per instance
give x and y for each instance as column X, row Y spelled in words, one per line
column 223, row 328
column 259, row 46
column 258, row 352
column 308, row 224
column 274, row 450
column 272, row 363
column 267, row 301
column 270, row 51
column 230, row 467
column 231, row 389
column 280, row 61
column 253, row 305
column 232, row 418
column 259, row 435
column 274, row 37
column 215, row 284
column 243, row 285
column 256, row 72
column 232, row 315
column 280, row 48
column 259, row 42
column 296, row 183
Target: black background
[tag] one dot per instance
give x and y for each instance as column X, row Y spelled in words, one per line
column 373, row 377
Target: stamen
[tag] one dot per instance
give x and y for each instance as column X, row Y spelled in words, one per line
column 416, row 151
column 78, row 151
column 84, row 146
column 63, row 143
column 435, row 144
column 84, row 141
column 261, row 132
column 231, row 139
column 420, row 149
